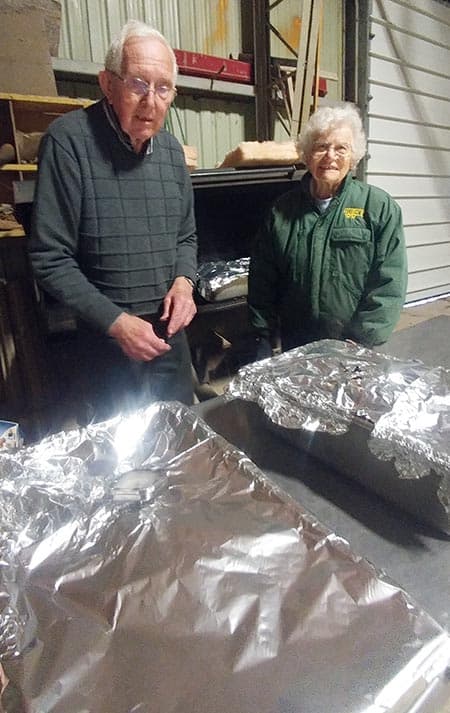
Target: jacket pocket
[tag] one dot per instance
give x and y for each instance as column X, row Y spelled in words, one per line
column 351, row 254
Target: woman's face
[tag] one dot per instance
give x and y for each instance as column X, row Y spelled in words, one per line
column 330, row 158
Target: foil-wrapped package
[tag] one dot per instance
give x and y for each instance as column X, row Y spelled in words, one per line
column 221, row 280
column 149, row 566
column 375, row 418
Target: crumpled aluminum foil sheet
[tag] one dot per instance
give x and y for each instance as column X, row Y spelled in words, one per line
column 220, row 280
column 324, row 385
column 331, row 386
column 149, row 566
column 417, row 430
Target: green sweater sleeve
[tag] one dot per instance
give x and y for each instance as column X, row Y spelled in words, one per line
column 186, row 263
column 53, row 244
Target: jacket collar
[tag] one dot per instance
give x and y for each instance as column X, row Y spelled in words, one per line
column 307, row 178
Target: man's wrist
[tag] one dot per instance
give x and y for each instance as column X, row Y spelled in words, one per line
column 188, row 279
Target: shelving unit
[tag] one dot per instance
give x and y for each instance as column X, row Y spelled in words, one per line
column 26, row 380
column 26, row 113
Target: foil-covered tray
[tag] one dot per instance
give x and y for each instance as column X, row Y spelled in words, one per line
column 380, row 420
column 149, row 566
column 220, row 280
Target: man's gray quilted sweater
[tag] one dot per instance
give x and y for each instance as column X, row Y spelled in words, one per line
column 111, row 229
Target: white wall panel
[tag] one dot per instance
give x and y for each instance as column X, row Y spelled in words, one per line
column 397, row 74
column 420, row 18
column 409, row 130
column 428, row 283
column 418, row 211
column 420, row 53
column 428, row 234
column 416, row 160
column 412, row 186
column 429, row 257
column 408, row 105
column 408, row 134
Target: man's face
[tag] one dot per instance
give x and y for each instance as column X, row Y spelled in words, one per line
column 140, row 116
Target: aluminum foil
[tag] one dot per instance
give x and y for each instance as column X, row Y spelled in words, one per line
column 148, row 566
column 416, row 431
column 324, row 385
column 222, row 280
column 334, row 386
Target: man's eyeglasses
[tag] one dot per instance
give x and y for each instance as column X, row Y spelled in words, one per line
column 341, row 150
column 141, row 88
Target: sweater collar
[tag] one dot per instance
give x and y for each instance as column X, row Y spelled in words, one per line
column 122, row 136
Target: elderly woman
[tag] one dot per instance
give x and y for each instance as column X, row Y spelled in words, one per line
column 330, row 259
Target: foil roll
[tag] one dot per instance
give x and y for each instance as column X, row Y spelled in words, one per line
column 382, row 408
column 220, row 280
column 148, row 565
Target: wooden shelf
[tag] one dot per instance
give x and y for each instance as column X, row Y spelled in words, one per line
column 19, row 167
column 22, row 114
column 47, row 105
column 14, row 233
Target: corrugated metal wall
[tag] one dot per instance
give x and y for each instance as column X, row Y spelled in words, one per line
column 409, row 130
column 214, row 124
column 208, row 26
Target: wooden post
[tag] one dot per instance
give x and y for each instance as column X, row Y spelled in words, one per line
column 306, row 65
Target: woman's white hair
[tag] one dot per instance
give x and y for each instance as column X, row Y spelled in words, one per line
column 132, row 29
column 328, row 118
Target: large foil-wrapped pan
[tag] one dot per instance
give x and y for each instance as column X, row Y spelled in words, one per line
column 148, row 566
column 375, row 418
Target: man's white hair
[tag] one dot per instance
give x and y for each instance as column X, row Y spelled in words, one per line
column 132, row 29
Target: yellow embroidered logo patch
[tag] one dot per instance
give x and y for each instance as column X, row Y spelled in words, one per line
column 353, row 213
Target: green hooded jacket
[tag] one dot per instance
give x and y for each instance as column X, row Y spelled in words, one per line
column 341, row 274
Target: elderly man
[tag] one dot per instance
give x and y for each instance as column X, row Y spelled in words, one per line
column 113, row 233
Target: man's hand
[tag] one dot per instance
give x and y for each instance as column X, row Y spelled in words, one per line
column 137, row 338
column 179, row 306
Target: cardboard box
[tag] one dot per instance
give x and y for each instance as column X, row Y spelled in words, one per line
column 10, row 436
column 50, row 11
column 25, row 62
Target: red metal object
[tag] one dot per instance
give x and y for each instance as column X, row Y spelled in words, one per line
column 196, row 64
column 205, row 65
column 323, row 89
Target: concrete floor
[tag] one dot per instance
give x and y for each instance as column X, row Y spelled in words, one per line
column 421, row 312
